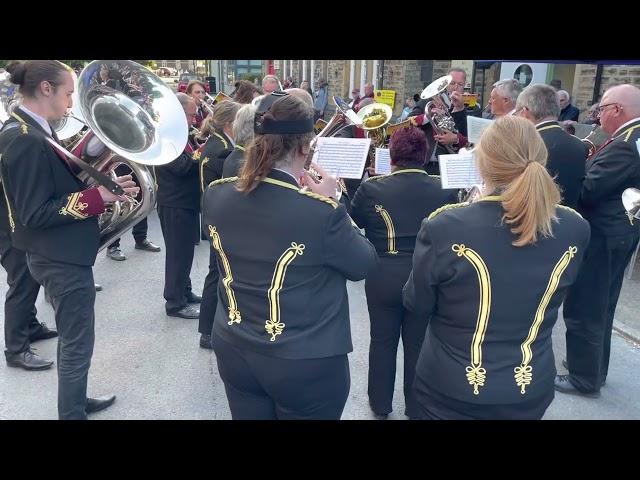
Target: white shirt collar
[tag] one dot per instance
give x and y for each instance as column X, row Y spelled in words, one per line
column 284, row 171
column 41, row 121
column 621, row 127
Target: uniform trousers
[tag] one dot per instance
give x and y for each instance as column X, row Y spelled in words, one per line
column 19, row 307
column 261, row 387
column 590, row 306
column 390, row 320
column 180, row 228
column 73, row 296
column 209, row 296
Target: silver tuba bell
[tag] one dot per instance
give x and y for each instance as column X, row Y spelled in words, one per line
column 438, row 98
column 133, row 125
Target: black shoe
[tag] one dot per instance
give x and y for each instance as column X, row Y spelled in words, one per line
column 193, row 298
column 188, row 311
column 114, row 253
column 98, row 287
column 205, row 342
column 563, row 384
column 96, row 404
column 148, row 246
column 566, row 365
column 43, row 333
column 28, row 360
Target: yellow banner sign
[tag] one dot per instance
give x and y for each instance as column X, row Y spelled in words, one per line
column 387, row 97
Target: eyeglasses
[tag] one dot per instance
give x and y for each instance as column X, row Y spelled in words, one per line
column 601, row 108
column 517, row 112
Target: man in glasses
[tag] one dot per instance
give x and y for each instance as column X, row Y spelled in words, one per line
column 591, row 301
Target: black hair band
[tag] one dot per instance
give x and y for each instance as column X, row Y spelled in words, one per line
column 270, row 126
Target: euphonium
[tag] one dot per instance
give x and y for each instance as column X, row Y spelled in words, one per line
column 146, row 131
column 438, row 96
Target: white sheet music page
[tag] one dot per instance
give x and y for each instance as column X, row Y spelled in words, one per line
column 342, row 157
column 475, row 127
column 383, row 161
column 459, row 171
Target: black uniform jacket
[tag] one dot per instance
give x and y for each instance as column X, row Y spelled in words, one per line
column 49, row 211
column 610, row 171
column 178, row 185
column 284, row 256
column 566, row 161
column 233, row 162
column 391, row 208
column 212, row 156
column 491, row 306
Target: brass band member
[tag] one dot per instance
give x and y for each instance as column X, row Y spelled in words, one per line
column 243, row 135
column 197, row 90
column 567, row 154
column 53, row 218
column 591, row 302
column 281, row 334
column 246, row 91
column 391, row 208
column 219, row 129
column 178, row 209
column 490, row 277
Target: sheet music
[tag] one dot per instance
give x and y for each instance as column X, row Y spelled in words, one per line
column 475, row 127
column 459, row 171
column 383, row 161
column 342, row 157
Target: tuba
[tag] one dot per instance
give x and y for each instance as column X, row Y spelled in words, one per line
column 438, row 97
column 136, row 127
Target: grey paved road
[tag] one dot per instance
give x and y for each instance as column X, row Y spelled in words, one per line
column 154, row 365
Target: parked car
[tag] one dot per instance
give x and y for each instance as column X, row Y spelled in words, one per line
column 185, row 78
column 166, row 72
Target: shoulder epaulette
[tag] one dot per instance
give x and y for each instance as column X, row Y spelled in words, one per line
column 570, row 209
column 220, row 181
column 447, row 207
column 317, row 196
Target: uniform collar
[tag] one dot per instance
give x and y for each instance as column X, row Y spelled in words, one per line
column 546, row 123
column 42, row 122
column 28, row 117
column 283, row 176
column 624, row 126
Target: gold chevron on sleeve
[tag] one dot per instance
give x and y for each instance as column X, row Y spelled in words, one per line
column 274, row 326
column 234, row 313
column 524, row 372
column 75, row 207
column 391, row 233
column 476, row 373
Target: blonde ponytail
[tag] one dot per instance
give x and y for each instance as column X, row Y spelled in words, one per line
column 512, row 157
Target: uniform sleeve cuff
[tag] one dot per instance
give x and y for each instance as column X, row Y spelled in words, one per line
column 94, row 204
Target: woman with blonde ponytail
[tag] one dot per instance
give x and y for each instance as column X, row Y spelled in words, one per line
column 489, row 278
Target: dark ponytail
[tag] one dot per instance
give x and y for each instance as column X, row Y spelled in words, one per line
column 31, row 73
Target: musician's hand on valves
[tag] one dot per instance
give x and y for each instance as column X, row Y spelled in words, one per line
column 447, row 138
column 128, row 185
column 457, row 101
column 327, row 186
